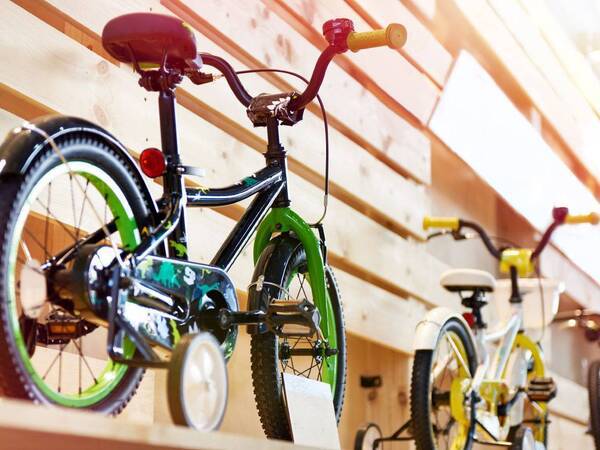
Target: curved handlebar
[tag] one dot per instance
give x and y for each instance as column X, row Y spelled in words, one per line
column 229, row 73
column 341, row 37
column 560, row 216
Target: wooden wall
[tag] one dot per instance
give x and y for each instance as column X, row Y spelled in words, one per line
column 388, row 167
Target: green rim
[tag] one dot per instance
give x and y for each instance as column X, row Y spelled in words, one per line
column 112, row 373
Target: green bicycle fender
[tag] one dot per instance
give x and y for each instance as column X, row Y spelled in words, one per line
column 282, row 220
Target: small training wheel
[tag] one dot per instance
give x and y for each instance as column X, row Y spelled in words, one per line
column 366, row 436
column 197, row 382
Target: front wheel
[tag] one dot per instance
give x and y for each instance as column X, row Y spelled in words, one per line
column 283, row 266
column 442, row 416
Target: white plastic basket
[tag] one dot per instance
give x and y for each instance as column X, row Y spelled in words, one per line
column 535, row 316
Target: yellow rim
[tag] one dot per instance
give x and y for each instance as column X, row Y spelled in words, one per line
column 540, row 412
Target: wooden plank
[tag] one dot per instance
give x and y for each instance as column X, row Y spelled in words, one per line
column 542, row 56
column 400, row 80
column 476, row 120
column 568, row 54
column 578, row 285
column 24, row 426
column 567, row 435
column 8, row 121
column 378, row 316
column 385, row 135
column 391, row 199
column 422, row 49
column 417, row 269
column 515, row 61
column 571, row 401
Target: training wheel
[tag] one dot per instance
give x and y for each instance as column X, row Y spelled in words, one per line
column 197, row 382
column 366, row 436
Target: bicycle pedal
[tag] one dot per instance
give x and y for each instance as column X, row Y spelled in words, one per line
column 292, row 318
column 541, row 389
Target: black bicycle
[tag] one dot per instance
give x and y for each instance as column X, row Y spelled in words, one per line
column 88, row 256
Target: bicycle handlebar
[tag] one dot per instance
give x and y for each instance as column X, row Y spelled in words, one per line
column 341, row 37
column 560, row 216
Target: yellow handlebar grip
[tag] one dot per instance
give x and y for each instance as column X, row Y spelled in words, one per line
column 394, row 36
column 450, row 223
column 592, row 218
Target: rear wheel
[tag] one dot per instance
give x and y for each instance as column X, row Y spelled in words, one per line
column 284, row 267
column 594, row 398
column 49, row 351
column 442, row 416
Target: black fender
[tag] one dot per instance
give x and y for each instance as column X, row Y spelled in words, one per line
column 22, row 146
column 272, row 263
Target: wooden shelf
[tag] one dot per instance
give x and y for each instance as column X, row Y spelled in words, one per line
column 24, row 426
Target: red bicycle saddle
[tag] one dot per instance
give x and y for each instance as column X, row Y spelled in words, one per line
column 145, row 38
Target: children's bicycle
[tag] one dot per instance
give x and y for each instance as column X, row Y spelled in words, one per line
column 472, row 386
column 95, row 281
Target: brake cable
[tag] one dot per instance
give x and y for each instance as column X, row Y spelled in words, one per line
column 326, row 131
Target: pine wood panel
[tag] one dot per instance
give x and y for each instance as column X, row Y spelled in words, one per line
column 24, row 426
column 571, row 401
column 532, row 181
column 374, row 128
column 571, row 58
column 394, row 200
column 514, row 59
column 117, row 110
column 542, row 56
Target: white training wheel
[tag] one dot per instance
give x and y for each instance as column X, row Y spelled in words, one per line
column 197, row 382
column 366, row 436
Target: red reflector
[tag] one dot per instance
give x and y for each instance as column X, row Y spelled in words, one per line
column 470, row 318
column 152, row 162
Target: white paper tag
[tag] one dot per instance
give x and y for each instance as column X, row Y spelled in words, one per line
column 310, row 412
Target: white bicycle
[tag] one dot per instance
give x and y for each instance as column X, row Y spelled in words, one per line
column 470, row 385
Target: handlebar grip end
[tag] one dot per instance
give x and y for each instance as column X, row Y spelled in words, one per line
column 393, row 36
column 592, row 218
column 450, row 223
column 396, row 35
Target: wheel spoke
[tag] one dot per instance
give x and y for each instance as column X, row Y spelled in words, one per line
column 85, row 200
column 459, row 356
column 85, row 362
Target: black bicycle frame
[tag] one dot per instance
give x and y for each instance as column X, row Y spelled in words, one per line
column 269, row 183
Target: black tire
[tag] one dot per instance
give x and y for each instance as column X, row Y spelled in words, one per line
column 365, row 437
column 421, row 390
column 594, row 398
column 15, row 380
column 277, row 264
